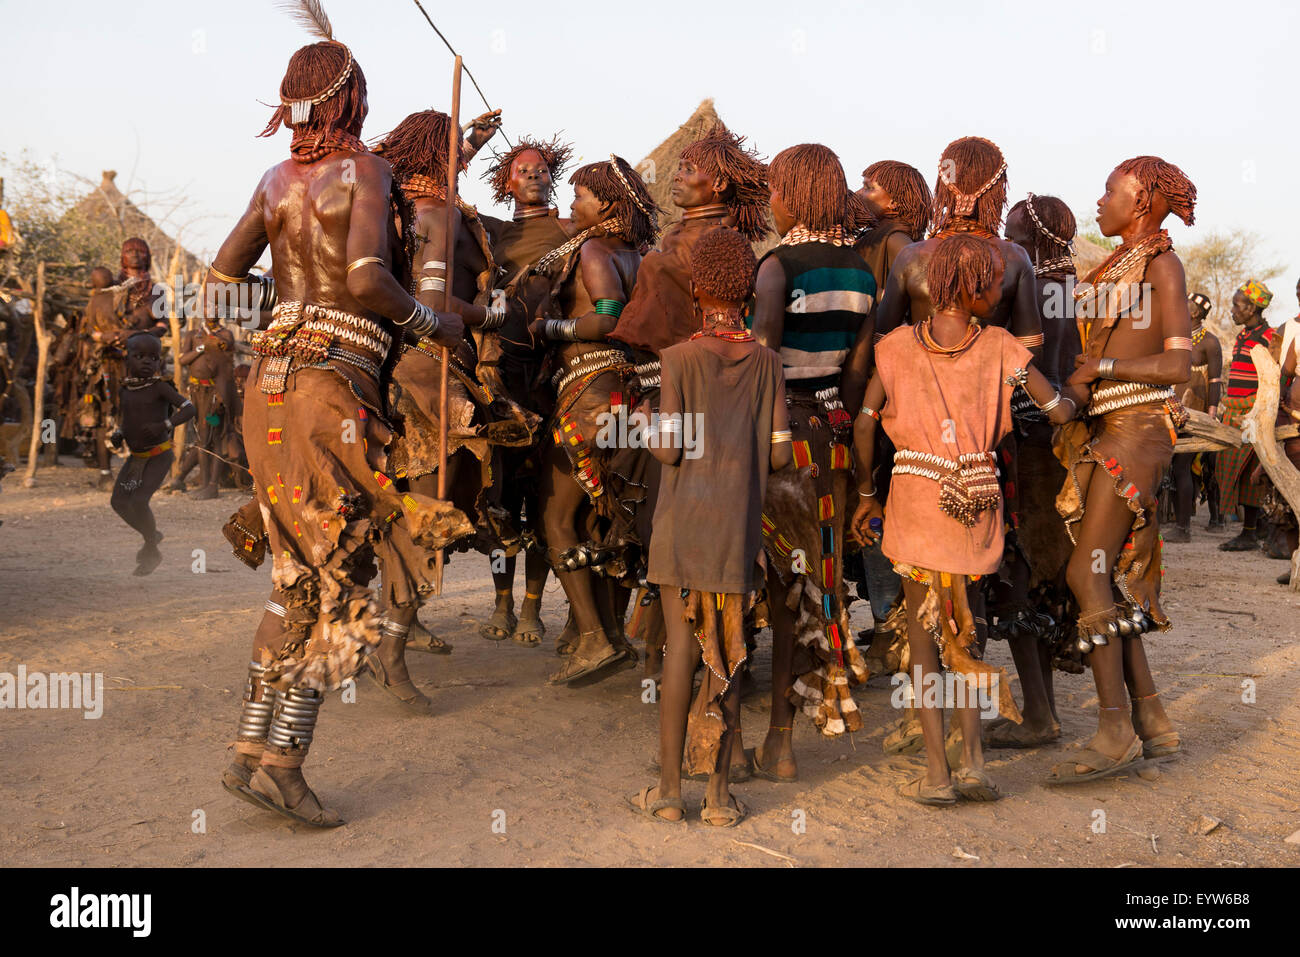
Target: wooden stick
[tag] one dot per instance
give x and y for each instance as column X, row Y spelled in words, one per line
column 453, row 168
column 43, row 338
column 1258, row 428
column 174, row 323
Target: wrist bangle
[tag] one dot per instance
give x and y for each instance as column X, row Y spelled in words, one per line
column 562, row 330
column 267, row 298
column 495, row 315
column 871, row 494
column 422, row 321
column 609, row 307
column 867, row 410
column 1049, row 406
column 1106, row 368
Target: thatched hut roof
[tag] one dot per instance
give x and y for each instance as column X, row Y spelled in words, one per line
column 109, row 208
column 658, row 168
column 1088, row 255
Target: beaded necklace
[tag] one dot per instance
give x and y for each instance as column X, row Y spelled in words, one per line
column 802, row 234
column 716, row 323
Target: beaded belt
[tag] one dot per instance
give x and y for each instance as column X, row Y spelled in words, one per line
column 588, row 363
column 197, row 381
column 967, row 486
column 1122, row 395
column 936, row 467
column 306, row 331
column 649, row 375
column 150, row 453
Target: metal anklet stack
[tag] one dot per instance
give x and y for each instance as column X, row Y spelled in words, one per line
column 254, row 715
column 294, row 721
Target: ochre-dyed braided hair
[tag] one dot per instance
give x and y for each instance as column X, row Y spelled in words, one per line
column 969, row 164
column 639, row 215
column 554, row 154
column 723, row 153
column 1056, row 218
column 723, row 265
column 311, row 70
column 1157, row 176
column 135, row 242
column 811, row 183
column 962, row 264
column 417, row 146
column 907, row 188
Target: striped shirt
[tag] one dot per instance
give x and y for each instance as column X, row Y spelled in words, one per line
column 1243, row 379
column 828, row 292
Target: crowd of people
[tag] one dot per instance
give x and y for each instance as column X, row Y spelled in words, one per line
column 893, row 397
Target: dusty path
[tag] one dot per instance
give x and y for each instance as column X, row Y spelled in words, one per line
column 123, row 789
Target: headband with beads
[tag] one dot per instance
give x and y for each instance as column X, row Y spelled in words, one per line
column 964, row 203
column 300, row 110
column 613, row 162
column 1038, row 223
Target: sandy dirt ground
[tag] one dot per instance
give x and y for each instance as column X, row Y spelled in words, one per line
column 553, row 765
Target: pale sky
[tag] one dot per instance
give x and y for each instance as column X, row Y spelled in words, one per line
column 166, row 91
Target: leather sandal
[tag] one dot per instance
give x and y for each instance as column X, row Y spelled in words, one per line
column 404, row 691
column 420, row 638
column 308, row 811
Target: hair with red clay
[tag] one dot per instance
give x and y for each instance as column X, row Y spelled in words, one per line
column 554, row 154
column 311, row 71
column 723, row 265
column 417, row 146
column 1157, row 176
column 961, row 265
column 907, row 188
column 968, row 164
column 723, row 153
column 810, row 181
column 1058, row 220
column 140, row 244
column 640, row 221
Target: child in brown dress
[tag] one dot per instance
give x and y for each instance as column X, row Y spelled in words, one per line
column 722, row 426
column 942, row 389
column 147, row 424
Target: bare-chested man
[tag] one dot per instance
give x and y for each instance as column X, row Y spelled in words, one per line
column 1137, row 347
column 316, row 421
column 524, row 175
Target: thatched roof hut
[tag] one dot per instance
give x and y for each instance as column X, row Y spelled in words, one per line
column 108, row 208
column 658, row 168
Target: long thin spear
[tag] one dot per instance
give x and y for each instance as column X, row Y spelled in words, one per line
column 453, row 168
column 481, row 96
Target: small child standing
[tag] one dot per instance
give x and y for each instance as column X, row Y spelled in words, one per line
column 722, row 427
column 942, row 389
column 147, row 400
